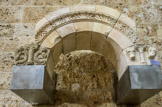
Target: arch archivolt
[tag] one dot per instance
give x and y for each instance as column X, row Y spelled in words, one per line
column 86, row 27
column 91, row 27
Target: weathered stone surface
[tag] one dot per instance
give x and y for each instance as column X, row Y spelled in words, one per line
column 5, row 80
column 9, row 99
column 79, row 79
column 8, row 45
column 11, row 14
column 34, row 14
column 38, row 2
column 62, row 2
column 66, row 30
column 24, row 30
column 98, row 42
column 21, row 2
column 146, row 13
column 7, row 61
column 5, row 3
column 51, row 40
column 6, row 30
column 69, row 43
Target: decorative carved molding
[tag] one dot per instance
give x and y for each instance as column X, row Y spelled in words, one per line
column 143, row 51
column 84, row 16
column 31, row 54
column 152, row 52
column 131, row 52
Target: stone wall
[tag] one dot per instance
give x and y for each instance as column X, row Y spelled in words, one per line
column 17, row 24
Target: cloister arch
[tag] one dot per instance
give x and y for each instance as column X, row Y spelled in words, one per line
column 87, row 27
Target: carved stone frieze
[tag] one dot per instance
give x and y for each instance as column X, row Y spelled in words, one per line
column 31, row 54
column 72, row 17
column 145, row 53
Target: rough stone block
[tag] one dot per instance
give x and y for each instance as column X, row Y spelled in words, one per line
column 33, row 84
column 34, row 14
column 6, row 30
column 83, row 40
column 11, row 14
column 139, row 83
column 24, row 30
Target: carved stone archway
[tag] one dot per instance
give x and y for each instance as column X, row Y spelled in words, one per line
column 100, row 29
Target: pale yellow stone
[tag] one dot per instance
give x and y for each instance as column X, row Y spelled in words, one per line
column 69, row 43
column 5, row 80
column 34, row 14
column 85, row 7
column 83, row 26
column 56, row 51
column 119, row 39
column 98, row 42
column 66, row 30
column 128, row 21
column 159, row 32
column 21, row 2
column 24, row 30
column 117, row 49
column 62, row 2
column 41, row 23
column 50, row 16
column 6, row 30
column 108, row 11
column 83, row 40
column 50, row 39
column 11, row 14
column 9, row 99
column 6, row 62
column 50, row 65
column 101, row 28
column 109, row 53
column 8, row 45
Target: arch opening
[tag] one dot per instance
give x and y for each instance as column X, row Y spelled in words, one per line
column 88, row 27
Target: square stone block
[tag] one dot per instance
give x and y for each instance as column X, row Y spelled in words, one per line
column 33, row 84
column 139, row 83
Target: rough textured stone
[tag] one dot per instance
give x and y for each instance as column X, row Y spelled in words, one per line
column 62, row 2
column 6, row 30
column 79, row 79
column 10, row 14
column 24, row 30
column 21, row 2
column 5, row 80
column 6, row 62
column 146, row 13
column 8, row 45
column 34, row 14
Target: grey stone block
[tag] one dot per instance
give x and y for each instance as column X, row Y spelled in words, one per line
column 33, row 84
column 139, row 83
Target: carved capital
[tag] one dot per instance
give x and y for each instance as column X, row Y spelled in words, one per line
column 131, row 52
column 145, row 53
column 31, row 54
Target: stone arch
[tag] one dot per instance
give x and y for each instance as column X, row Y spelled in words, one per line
column 73, row 26
column 87, row 27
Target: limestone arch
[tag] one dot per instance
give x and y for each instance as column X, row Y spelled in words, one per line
column 68, row 29
column 91, row 27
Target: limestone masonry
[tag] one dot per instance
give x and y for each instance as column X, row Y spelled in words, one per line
column 18, row 28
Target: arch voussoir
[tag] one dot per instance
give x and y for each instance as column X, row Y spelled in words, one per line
column 88, row 27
